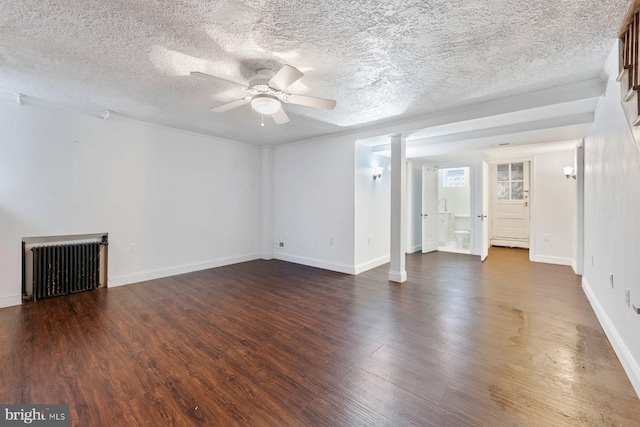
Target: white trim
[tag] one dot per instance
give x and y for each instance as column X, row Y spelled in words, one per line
column 313, row 262
column 574, row 265
column 630, row 366
column 552, row 260
column 510, row 243
column 415, row 248
column 127, row 279
column 398, row 276
column 10, row 300
column 373, row 263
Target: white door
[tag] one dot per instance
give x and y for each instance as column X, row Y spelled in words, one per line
column 484, row 215
column 510, row 204
column 429, row 209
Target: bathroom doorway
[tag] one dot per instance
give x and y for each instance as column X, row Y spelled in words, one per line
column 454, row 210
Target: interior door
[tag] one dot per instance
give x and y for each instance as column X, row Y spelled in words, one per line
column 484, row 215
column 429, row 209
column 510, row 204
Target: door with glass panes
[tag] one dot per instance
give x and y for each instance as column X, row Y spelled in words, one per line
column 510, row 204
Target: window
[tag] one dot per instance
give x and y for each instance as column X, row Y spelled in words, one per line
column 510, row 185
column 453, row 178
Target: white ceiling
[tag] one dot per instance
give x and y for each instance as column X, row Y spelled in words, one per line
column 382, row 61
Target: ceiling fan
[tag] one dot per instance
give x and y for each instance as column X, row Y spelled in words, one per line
column 266, row 93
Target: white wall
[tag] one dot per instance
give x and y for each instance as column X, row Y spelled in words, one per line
column 266, row 240
column 612, row 224
column 553, row 208
column 372, row 210
column 176, row 195
column 314, row 203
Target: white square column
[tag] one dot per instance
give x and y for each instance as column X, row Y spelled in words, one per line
column 397, row 273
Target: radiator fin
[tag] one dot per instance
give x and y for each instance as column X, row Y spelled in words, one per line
column 65, row 269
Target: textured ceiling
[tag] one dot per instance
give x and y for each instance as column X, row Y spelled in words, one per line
column 380, row 60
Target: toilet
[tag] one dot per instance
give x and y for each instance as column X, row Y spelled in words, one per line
column 462, row 230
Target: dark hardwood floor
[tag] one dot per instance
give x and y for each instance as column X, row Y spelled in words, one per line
column 268, row 343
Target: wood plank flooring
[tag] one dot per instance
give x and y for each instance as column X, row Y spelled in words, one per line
column 268, row 343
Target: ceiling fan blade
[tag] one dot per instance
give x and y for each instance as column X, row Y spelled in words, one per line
column 231, row 105
column 280, row 116
column 209, row 76
column 285, row 77
column 311, row 101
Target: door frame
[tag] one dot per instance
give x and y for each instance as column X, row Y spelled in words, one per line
column 532, row 190
column 429, row 222
column 475, row 237
column 485, row 211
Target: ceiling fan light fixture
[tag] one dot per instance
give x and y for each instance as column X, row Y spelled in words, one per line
column 265, row 104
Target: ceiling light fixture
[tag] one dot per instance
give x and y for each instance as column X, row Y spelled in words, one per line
column 265, row 104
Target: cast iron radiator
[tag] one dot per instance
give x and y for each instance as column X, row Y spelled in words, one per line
column 65, row 269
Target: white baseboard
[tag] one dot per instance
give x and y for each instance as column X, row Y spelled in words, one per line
column 127, row 279
column 552, row 260
column 368, row 265
column 574, row 265
column 629, row 364
column 10, row 300
column 415, row 248
column 398, row 276
column 313, row 262
column 510, row 243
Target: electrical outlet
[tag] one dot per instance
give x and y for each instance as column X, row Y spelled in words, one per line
column 369, row 239
column 227, row 237
column 281, row 244
column 627, row 297
column 591, row 260
column 275, row 244
column 132, row 248
column 331, row 240
column 611, row 279
column 546, row 237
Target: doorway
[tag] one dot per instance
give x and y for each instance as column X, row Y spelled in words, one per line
column 510, row 216
column 446, row 210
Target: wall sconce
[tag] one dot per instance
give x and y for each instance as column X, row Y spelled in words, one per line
column 569, row 172
column 377, row 173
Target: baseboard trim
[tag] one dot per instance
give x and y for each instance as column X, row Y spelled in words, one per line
column 313, row 262
column 524, row 244
column 629, row 364
column 552, row 260
column 128, row 279
column 415, row 248
column 368, row 265
column 10, row 300
column 398, row 276
column 574, row 265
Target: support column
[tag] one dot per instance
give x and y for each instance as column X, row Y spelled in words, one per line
column 397, row 273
